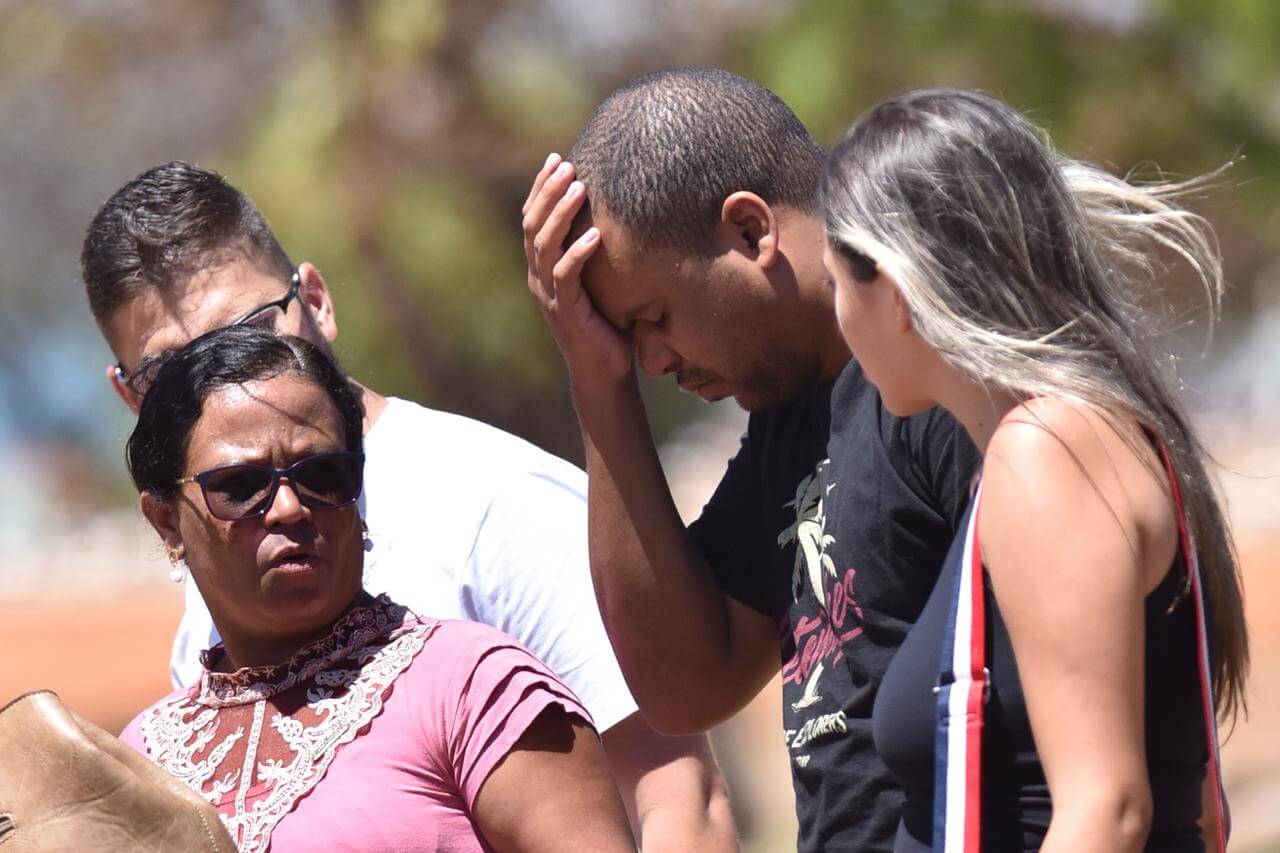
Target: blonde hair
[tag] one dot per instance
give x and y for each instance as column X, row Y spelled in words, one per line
column 1036, row 274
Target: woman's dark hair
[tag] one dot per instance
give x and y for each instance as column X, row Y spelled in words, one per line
column 157, row 449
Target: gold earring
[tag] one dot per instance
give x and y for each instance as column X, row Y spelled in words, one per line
column 178, row 567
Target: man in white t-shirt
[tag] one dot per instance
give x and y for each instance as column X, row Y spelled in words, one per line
column 465, row 521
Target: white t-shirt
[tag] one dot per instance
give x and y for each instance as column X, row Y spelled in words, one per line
column 470, row 522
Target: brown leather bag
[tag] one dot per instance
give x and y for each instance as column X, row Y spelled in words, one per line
column 66, row 784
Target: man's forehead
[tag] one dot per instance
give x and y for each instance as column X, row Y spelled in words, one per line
column 159, row 319
column 623, row 277
column 615, row 276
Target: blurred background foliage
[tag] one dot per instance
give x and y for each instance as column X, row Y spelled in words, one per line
column 391, row 142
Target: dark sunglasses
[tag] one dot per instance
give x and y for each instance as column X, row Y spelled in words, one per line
column 145, row 373
column 323, row 481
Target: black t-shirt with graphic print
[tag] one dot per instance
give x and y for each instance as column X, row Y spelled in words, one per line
column 834, row 518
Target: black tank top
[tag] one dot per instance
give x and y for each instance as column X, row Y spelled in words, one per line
column 1015, row 797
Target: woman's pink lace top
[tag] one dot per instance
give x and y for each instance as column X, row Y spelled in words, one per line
column 376, row 737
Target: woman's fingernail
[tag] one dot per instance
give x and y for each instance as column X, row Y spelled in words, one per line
column 591, row 236
column 574, row 189
column 562, row 170
column 551, row 158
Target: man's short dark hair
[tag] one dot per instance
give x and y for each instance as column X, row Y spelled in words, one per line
column 168, row 223
column 663, row 152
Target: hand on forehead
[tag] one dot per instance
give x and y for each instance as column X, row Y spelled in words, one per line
column 581, row 222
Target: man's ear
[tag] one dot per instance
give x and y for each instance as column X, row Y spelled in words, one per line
column 124, row 391
column 315, row 295
column 748, row 225
column 163, row 516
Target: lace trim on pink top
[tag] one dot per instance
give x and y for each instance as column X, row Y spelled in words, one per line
column 354, row 631
column 338, row 684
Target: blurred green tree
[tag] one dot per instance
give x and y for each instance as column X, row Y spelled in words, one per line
column 392, row 141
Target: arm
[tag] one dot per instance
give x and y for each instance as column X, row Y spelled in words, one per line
column 529, row 569
column 672, row 788
column 691, row 655
column 553, row 792
column 1208, row 823
column 1076, row 530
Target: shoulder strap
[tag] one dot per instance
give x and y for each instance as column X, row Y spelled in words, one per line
column 1186, row 539
column 962, row 691
column 963, row 685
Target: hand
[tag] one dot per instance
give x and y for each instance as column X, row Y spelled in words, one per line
column 594, row 350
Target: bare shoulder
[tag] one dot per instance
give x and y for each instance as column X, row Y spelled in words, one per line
column 1059, row 444
column 1052, row 425
column 1059, row 471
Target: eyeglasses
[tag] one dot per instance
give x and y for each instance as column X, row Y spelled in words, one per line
column 322, row 481
column 145, row 373
column 295, row 282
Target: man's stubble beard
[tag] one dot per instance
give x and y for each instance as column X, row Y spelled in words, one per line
column 770, row 385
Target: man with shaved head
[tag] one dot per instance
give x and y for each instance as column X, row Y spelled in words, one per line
column 685, row 233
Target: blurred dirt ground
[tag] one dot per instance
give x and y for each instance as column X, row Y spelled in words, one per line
column 1251, row 754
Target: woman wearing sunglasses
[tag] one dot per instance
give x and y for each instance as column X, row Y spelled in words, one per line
column 1058, row 690
column 328, row 719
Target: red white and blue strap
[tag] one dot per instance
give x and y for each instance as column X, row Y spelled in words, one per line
column 961, row 692
column 1191, row 558
column 963, row 686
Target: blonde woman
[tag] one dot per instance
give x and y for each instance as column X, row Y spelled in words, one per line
column 1063, row 705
